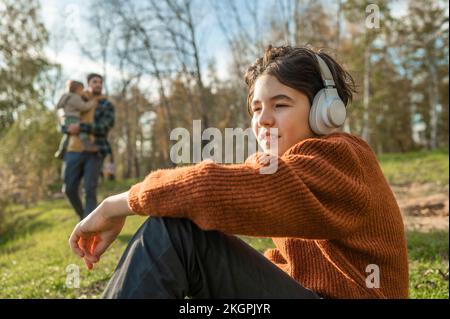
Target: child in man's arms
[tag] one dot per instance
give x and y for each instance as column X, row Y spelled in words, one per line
column 73, row 104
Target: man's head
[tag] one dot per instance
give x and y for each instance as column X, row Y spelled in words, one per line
column 95, row 83
column 281, row 88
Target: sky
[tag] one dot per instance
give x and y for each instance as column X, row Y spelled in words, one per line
column 73, row 14
column 76, row 65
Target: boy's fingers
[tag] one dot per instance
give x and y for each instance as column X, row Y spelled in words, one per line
column 82, row 245
column 89, row 265
column 100, row 248
column 94, row 243
column 90, row 258
column 73, row 242
column 88, row 243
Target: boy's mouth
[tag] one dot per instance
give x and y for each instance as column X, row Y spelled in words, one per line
column 267, row 137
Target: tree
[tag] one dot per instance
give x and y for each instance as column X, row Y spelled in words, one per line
column 22, row 39
column 424, row 32
column 28, row 132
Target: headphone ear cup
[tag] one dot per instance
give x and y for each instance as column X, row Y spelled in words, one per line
column 335, row 112
column 327, row 112
column 314, row 114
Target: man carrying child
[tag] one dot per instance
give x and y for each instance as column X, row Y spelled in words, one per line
column 88, row 117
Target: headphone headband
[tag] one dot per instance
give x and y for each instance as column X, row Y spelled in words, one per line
column 325, row 73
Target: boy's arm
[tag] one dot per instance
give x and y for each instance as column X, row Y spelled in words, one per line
column 317, row 193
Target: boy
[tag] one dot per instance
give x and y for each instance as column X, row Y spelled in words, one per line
column 335, row 223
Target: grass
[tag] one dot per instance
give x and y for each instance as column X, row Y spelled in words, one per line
column 34, row 257
column 416, row 167
column 34, row 254
column 428, row 264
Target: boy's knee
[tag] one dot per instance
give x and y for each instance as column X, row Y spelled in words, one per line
column 166, row 227
column 171, row 223
column 161, row 223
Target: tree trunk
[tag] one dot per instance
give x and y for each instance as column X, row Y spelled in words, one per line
column 434, row 101
column 365, row 134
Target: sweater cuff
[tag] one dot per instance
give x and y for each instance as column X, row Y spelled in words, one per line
column 133, row 199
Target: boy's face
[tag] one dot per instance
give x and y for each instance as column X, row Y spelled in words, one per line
column 79, row 90
column 276, row 105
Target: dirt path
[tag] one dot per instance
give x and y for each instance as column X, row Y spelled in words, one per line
column 424, row 206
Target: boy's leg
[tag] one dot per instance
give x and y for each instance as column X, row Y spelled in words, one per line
column 173, row 258
column 73, row 171
column 91, row 174
column 62, row 147
column 68, row 120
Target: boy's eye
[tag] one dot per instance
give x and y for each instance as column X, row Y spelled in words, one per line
column 281, row 105
column 256, row 109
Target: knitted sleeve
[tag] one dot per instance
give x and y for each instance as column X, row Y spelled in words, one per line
column 317, row 192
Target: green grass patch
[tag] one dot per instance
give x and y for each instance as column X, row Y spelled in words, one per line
column 416, row 167
column 35, row 256
column 428, row 267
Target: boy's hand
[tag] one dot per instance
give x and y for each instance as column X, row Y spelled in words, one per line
column 94, row 234
column 99, row 97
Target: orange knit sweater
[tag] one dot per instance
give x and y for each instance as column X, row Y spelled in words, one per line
column 328, row 209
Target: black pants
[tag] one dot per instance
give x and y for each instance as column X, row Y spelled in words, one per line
column 173, row 258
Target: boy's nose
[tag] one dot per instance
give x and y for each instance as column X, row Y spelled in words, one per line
column 266, row 119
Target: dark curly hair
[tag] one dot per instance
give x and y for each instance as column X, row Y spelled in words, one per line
column 298, row 68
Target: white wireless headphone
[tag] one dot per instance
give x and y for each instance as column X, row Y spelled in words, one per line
column 327, row 111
